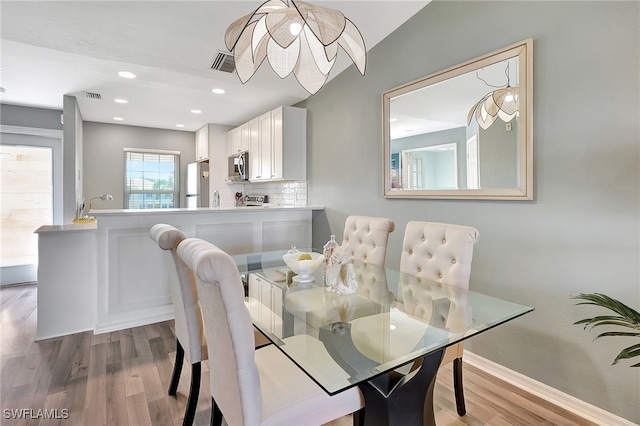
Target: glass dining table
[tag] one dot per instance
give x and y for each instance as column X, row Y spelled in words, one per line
column 387, row 338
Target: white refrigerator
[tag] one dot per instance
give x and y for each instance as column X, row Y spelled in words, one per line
column 197, row 185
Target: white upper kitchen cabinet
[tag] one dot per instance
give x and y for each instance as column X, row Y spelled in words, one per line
column 279, row 151
column 202, row 143
column 256, row 151
column 238, row 139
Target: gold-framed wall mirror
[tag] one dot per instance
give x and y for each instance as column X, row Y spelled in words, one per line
column 464, row 132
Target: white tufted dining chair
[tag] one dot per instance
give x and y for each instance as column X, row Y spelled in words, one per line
column 249, row 386
column 190, row 340
column 367, row 238
column 440, row 252
column 190, row 337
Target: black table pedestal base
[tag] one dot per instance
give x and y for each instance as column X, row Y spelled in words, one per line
column 397, row 400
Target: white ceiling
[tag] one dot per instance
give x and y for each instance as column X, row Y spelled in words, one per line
column 56, row 48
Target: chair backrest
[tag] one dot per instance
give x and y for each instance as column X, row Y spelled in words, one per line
column 367, row 238
column 235, row 384
column 188, row 318
column 372, row 283
column 438, row 251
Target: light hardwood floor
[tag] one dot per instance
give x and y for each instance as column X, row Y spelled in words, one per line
column 121, row 378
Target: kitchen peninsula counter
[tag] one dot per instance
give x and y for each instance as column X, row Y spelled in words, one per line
column 201, row 210
column 123, row 276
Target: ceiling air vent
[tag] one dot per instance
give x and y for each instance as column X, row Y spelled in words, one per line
column 224, row 62
column 90, row 95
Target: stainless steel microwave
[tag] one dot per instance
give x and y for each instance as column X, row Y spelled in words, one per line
column 239, row 166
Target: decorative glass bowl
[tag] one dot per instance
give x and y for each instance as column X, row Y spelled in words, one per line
column 303, row 268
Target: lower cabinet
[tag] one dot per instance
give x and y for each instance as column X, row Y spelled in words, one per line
column 266, row 301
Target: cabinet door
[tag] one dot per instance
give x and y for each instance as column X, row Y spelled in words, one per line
column 238, row 136
column 265, row 302
column 245, row 138
column 266, row 151
column 277, row 143
column 255, row 150
column 202, row 143
column 229, row 142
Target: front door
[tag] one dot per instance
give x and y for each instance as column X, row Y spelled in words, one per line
column 26, row 202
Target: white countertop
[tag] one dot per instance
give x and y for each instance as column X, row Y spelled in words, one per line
column 71, row 227
column 199, row 210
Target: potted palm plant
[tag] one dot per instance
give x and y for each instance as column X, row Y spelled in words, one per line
column 626, row 317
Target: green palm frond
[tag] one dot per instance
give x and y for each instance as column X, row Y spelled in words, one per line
column 626, row 317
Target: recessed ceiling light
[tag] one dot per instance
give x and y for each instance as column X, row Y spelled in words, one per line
column 196, row 111
column 392, row 119
column 127, row 74
column 121, row 101
column 179, row 125
column 218, row 91
column 2, row 90
column 118, row 118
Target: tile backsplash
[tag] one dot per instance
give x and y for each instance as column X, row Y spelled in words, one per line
column 287, row 193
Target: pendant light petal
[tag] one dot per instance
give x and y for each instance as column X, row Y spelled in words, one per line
column 309, row 41
column 236, row 28
column 485, row 120
column 331, row 51
column 506, row 117
column 327, row 24
column 259, row 38
column 283, row 60
column 306, row 71
column 352, row 42
column 232, row 35
column 247, row 61
column 475, row 107
column 281, row 26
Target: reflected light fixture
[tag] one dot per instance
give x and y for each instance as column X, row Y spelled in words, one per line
column 501, row 103
column 103, row 197
column 297, row 37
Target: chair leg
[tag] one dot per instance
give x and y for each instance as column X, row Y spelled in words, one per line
column 358, row 417
column 177, row 369
column 216, row 414
column 457, row 386
column 194, row 392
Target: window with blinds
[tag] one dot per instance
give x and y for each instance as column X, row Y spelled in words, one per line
column 151, row 180
column 417, row 173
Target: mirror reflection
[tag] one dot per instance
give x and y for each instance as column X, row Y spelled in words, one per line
column 463, row 132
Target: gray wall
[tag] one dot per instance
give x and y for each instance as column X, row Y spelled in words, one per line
column 72, row 148
column 104, row 157
column 457, row 135
column 580, row 234
column 15, row 115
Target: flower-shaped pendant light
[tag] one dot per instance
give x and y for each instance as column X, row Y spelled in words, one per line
column 299, row 38
column 501, row 103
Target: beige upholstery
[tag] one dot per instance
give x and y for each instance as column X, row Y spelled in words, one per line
column 317, row 307
column 367, row 238
column 439, row 252
column 188, row 318
column 252, row 387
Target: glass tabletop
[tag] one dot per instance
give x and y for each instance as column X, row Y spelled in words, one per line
column 392, row 319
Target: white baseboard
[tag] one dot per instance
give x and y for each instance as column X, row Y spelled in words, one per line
column 133, row 321
column 554, row 396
